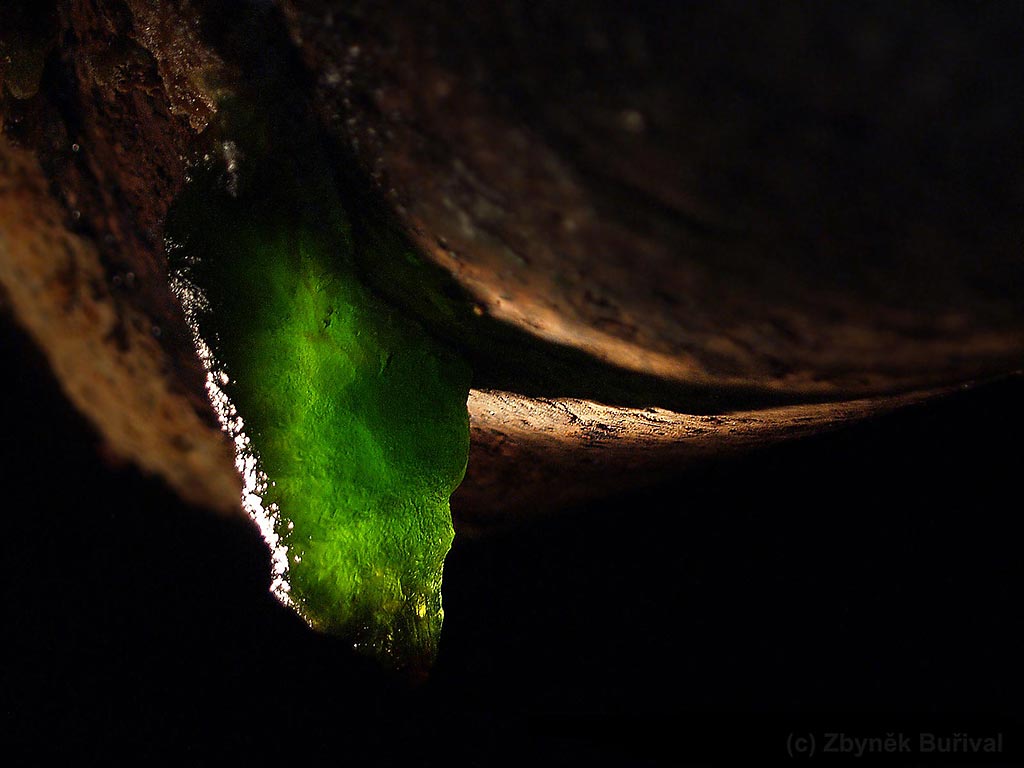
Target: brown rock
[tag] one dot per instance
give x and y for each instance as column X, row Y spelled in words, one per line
column 103, row 352
column 801, row 200
column 770, row 219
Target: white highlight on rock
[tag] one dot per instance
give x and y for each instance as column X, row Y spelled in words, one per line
column 267, row 518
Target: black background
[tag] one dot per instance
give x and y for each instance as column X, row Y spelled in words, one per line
column 866, row 580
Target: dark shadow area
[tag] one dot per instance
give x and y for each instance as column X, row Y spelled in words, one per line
column 875, row 570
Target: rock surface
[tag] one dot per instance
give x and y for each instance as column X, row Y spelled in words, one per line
column 103, row 352
column 766, row 211
column 808, row 200
column 531, row 455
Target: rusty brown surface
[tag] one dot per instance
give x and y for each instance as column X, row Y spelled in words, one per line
column 529, row 456
column 113, row 139
column 91, row 161
column 805, row 203
column 102, row 352
column 804, row 199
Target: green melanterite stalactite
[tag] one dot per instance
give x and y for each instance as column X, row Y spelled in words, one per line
column 349, row 420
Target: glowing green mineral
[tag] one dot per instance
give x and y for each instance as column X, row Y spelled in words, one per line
column 350, row 422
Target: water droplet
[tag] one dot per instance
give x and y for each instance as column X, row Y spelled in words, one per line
column 632, row 121
column 157, row 332
column 232, row 158
column 75, row 147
